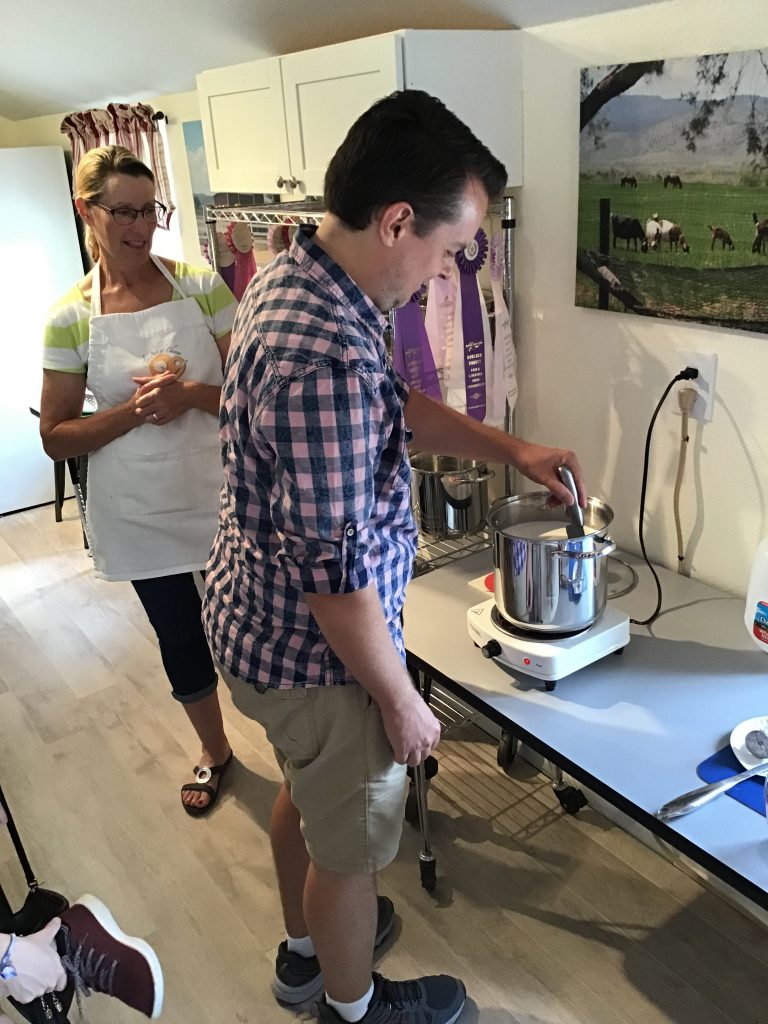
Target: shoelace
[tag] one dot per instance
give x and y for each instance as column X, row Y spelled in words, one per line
column 401, row 995
column 89, row 972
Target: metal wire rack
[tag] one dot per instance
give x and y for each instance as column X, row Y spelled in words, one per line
column 433, row 553
column 267, row 214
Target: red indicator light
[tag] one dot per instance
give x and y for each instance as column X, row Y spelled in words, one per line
column 526, row 661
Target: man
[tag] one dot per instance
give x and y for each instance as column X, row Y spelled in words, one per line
column 316, row 538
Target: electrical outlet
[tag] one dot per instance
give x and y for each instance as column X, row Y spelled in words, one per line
column 704, row 385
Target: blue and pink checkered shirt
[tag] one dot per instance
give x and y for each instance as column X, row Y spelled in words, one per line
column 316, row 495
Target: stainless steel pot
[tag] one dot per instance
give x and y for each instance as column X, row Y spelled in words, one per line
column 449, row 495
column 545, row 584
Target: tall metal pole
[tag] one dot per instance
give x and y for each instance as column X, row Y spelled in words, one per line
column 508, row 229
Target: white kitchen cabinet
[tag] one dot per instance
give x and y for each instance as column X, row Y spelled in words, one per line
column 272, row 125
column 325, row 91
column 243, row 115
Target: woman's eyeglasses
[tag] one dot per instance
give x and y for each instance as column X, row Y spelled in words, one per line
column 125, row 215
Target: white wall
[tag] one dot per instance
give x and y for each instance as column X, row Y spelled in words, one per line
column 591, row 380
column 7, row 132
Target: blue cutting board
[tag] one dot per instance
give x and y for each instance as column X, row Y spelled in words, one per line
column 723, row 765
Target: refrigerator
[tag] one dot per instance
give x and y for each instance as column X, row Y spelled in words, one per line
column 40, row 259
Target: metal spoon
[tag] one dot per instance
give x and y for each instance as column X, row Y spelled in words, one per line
column 756, row 743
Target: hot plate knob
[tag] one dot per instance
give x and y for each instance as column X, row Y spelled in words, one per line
column 492, row 649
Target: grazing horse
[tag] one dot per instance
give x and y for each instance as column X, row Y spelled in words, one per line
column 673, row 180
column 629, row 181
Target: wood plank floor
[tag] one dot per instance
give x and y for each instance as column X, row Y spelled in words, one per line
column 549, row 919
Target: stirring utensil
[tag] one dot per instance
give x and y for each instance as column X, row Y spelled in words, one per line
column 756, row 743
column 575, row 527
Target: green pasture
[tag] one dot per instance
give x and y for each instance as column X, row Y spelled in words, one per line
column 736, row 297
column 693, row 207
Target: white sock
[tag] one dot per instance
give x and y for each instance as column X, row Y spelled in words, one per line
column 352, row 1012
column 304, row 946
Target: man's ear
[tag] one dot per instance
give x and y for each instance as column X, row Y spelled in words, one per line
column 394, row 221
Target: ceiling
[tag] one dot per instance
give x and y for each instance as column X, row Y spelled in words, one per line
column 85, row 53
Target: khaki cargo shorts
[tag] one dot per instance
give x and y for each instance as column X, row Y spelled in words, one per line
column 336, row 759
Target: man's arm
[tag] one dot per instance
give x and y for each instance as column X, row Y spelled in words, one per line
column 444, row 431
column 354, row 626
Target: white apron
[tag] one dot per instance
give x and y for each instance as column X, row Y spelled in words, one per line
column 153, row 493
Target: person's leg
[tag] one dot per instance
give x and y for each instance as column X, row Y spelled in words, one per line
column 341, row 913
column 172, row 604
column 291, row 860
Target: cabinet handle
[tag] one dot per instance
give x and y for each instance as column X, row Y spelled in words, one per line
column 293, row 182
column 280, row 181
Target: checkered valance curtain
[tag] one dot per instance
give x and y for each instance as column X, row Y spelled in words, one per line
column 123, row 124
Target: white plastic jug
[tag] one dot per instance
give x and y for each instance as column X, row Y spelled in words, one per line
column 756, row 610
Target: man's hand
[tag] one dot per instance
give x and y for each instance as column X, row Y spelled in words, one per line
column 541, row 464
column 411, row 728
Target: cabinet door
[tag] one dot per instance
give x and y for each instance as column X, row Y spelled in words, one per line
column 479, row 76
column 325, row 91
column 244, row 127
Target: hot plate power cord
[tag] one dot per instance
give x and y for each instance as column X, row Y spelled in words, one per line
column 689, row 373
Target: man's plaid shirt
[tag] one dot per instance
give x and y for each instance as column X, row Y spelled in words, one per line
column 316, row 495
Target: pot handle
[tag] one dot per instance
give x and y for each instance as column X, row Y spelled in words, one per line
column 460, row 478
column 610, row 546
column 462, row 504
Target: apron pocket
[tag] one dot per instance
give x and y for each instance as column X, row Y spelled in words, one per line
column 179, row 481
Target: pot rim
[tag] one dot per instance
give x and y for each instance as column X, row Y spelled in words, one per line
column 538, row 499
column 479, row 466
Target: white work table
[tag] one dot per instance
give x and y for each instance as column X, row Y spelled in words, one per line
column 632, row 727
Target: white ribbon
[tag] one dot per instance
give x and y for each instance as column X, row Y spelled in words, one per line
column 504, row 388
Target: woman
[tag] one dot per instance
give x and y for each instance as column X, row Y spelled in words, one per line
column 149, row 338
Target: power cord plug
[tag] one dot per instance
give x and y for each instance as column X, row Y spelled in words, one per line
column 686, row 398
column 689, row 373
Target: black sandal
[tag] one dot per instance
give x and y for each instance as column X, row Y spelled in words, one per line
column 201, row 785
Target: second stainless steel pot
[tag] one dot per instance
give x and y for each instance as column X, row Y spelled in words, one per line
column 545, row 582
column 449, row 495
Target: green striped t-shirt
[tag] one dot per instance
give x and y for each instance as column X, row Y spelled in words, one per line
column 65, row 342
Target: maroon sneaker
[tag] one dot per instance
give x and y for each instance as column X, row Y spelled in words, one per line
column 99, row 957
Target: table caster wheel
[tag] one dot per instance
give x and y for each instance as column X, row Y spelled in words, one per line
column 571, row 799
column 428, row 870
column 549, row 685
column 620, row 650
column 506, row 751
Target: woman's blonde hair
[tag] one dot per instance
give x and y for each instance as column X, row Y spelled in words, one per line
column 94, row 171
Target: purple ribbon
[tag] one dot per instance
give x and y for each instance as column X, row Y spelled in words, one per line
column 469, row 262
column 411, row 352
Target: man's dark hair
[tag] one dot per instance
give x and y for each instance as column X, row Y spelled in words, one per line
column 408, row 147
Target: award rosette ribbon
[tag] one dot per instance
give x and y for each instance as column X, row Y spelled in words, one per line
column 411, row 352
column 504, row 376
column 467, row 378
column 441, row 308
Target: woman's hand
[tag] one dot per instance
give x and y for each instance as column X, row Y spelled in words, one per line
column 160, row 399
column 37, row 964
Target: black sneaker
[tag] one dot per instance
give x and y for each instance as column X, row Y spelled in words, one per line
column 438, row 999
column 299, row 978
